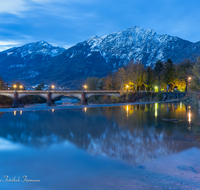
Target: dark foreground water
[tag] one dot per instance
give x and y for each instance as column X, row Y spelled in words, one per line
column 127, row 147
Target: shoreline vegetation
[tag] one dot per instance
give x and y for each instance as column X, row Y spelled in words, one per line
column 159, row 77
column 132, row 97
column 168, row 77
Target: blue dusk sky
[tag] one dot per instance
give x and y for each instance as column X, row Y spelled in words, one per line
column 67, row 22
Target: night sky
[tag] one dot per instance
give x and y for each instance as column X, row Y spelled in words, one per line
column 67, row 22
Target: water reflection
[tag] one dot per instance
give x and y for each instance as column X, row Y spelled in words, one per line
column 127, row 110
column 189, row 117
column 133, row 133
column 156, row 110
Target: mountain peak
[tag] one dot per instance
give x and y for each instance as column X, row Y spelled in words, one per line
column 37, row 44
column 41, row 42
column 41, row 47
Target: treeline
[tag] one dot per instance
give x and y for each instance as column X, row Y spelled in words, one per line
column 162, row 77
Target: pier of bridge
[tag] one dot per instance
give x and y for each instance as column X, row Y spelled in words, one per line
column 50, row 95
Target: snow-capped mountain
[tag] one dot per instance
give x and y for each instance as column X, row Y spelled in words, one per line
column 136, row 44
column 39, row 48
column 96, row 56
column 18, row 63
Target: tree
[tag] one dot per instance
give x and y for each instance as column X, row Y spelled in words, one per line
column 92, row 83
column 168, row 72
column 120, row 78
column 196, row 70
column 158, row 72
column 130, row 74
column 149, row 78
column 140, row 74
column 2, row 84
column 135, row 74
column 100, row 84
column 180, row 83
column 108, row 82
column 40, row 87
column 184, row 70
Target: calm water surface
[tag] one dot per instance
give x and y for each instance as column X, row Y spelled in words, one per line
column 126, row 147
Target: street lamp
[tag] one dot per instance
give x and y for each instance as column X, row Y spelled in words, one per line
column 127, row 87
column 85, row 86
column 21, row 87
column 14, row 86
column 156, row 88
column 189, row 78
column 52, row 86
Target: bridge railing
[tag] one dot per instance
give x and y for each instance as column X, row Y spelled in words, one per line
column 62, row 91
column 73, row 91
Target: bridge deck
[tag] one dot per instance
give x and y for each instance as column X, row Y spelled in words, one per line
column 60, row 91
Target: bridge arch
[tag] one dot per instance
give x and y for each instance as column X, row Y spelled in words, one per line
column 66, row 95
column 26, row 95
column 7, row 95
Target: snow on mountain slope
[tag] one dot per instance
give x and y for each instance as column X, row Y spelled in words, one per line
column 136, row 43
column 41, row 47
column 20, row 62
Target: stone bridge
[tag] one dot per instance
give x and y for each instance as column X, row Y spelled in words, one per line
column 50, row 95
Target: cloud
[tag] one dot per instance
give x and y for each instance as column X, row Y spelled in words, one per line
column 63, row 1
column 67, row 22
column 4, row 45
column 13, row 6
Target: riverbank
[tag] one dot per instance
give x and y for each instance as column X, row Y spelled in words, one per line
column 72, row 106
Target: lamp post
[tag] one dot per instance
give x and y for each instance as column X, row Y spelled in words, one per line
column 85, row 87
column 127, row 87
column 187, row 83
column 83, row 96
column 52, row 86
column 14, row 86
column 21, row 87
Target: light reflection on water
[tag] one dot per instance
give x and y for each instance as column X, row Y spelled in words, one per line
column 134, row 133
column 106, row 131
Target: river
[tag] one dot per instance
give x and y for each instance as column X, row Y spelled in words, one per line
column 122, row 147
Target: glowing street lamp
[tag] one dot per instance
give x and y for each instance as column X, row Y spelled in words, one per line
column 156, row 88
column 85, row 86
column 189, row 78
column 52, row 86
column 127, row 86
column 14, row 86
column 21, row 87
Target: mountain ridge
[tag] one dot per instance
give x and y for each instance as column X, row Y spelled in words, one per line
column 97, row 56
